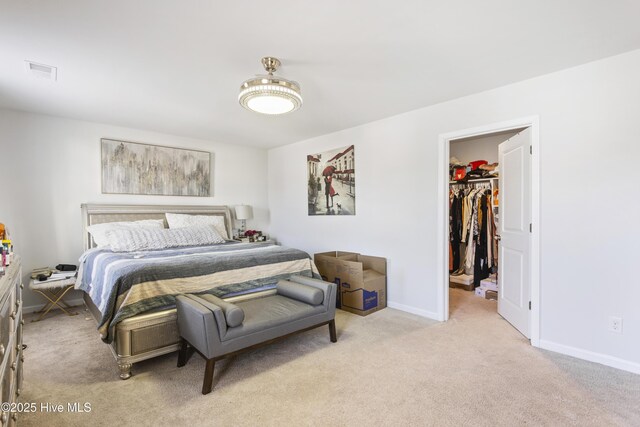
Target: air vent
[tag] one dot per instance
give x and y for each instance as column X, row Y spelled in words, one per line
column 42, row 71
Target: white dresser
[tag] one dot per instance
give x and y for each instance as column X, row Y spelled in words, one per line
column 11, row 338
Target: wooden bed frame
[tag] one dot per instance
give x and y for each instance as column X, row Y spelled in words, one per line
column 155, row 333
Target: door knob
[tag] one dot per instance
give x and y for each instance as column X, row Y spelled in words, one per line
column 497, row 237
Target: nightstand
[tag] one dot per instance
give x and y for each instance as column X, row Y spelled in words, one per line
column 53, row 291
column 246, row 240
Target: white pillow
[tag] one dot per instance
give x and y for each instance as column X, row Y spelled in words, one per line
column 99, row 231
column 145, row 239
column 182, row 220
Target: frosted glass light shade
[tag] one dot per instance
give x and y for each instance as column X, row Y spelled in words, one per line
column 270, row 94
column 244, row 212
column 269, row 104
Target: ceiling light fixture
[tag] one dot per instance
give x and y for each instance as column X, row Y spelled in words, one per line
column 270, row 94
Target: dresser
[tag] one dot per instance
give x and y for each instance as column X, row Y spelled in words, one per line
column 11, row 338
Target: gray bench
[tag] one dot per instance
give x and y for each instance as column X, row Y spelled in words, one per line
column 217, row 329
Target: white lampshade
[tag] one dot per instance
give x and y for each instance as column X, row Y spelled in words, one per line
column 244, row 212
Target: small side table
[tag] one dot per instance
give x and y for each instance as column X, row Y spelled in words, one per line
column 53, row 291
column 247, row 241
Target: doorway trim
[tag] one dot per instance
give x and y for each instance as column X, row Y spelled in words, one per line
column 443, row 213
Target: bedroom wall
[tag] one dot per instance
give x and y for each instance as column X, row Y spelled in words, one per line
column 49, row 166
column 589, row 179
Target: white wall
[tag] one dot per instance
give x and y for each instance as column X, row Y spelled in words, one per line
column 589, row 204
column 49, row 166
column 479, row 148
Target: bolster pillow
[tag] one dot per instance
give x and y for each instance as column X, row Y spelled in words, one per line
column 309, row 281
column 297, row 291
column 233, row 314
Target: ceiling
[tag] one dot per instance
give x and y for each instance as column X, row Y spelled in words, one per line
column 176, row 66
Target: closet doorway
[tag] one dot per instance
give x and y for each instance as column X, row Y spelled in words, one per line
column 490, row 203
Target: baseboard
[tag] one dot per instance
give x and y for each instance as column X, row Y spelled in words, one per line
column 34, row 308
column 591, row 356
column 413, row 310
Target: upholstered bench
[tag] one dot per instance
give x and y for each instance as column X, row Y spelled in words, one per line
column 217, row 329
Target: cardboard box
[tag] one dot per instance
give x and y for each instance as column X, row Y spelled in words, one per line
column 489, row 284
column 492, row 295
column 462, row 281
column 361, row 280
column 483, row 292
column 327, row 263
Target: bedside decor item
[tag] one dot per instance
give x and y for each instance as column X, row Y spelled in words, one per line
column 135, row 168
column 37, row 273
column 243, row 213
column 251, row 236
column 66, row 267
column 270, row 94
column 6, row 249
column 331, row 182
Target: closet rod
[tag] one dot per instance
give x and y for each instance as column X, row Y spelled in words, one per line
column 471, row 181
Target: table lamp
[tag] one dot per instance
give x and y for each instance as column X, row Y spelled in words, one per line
column 243, row 213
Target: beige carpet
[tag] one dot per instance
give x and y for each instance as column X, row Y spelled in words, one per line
column 389, row 368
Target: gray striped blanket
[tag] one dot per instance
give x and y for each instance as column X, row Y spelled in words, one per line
column 123, row 285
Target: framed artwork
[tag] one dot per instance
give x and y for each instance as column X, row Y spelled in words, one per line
column 135, row 168
column 331, row 182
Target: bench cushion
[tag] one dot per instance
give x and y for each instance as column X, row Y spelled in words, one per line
column 297, row 291
column 233, row 314
column 265, row 313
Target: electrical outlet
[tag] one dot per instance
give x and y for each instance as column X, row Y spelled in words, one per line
column 615, row 324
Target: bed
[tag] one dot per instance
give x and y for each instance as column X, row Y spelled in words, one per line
column 132, row 295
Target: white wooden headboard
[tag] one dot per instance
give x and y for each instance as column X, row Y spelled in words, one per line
column 101, row 213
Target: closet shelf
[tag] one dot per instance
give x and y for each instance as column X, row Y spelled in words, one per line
column 474, row 180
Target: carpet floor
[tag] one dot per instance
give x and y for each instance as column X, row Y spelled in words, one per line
column 389, row 368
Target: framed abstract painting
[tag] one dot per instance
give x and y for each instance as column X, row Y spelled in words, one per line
column 135, row 168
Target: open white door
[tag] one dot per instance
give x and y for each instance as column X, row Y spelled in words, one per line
column 514, row 264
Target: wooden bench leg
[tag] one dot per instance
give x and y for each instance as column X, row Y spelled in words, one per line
column 332, row 330
column 183, row 353
column 207, row 385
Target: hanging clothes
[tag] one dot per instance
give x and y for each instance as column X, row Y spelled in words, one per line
column 472, row 229
column 455, row 229
column 451, row 263
column 481, row 262
column 490, row 231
